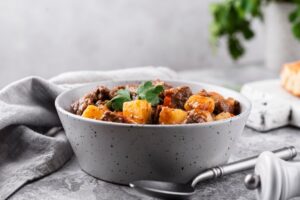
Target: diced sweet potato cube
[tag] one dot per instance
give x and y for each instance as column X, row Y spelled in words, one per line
column 138, row 111
column 94, row 112
column 200, row 102
column 224, row 115
column 172, row 116
column 216, row 96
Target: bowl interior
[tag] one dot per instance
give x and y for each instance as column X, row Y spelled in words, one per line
column 119, row 153
column 64, row 100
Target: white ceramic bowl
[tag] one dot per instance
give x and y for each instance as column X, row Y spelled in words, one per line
column 122, row 153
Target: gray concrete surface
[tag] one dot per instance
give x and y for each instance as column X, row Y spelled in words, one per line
column 72, row 183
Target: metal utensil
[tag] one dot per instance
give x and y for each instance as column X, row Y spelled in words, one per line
column 168, row 190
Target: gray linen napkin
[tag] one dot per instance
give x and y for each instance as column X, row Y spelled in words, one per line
column 32, row 143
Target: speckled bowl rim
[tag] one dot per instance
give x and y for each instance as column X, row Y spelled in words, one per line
column 244, row 100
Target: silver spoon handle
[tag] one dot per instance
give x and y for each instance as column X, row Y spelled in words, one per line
column 285, row 153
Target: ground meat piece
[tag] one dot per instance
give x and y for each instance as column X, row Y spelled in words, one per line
column 176, row 97
column 228, row 105
column 114, row 91
column 198, row 116
column 132, row 89
column 155, row 114
column 98, row 95
column 216, row 96
column 203, row 93
column 164, row 84
column 221, row 104
column 100, row 102
column 79, row 106
column 110, row 116
column 102, row 93
column 234, row 106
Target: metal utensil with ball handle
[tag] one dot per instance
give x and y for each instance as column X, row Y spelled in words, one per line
column 168, row 190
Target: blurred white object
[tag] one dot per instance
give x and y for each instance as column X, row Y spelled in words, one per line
column 275, row 179
column 272, row 106
column 281, row 45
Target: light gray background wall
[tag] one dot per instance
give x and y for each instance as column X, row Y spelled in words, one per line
column 48, row 37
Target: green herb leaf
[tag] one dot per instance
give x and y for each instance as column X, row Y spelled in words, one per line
column 143, row 88
column 293, row 16
column 116, row 103
column 296, row 30
column 232, row 20
column 150, row 92
column 235, row 48
column 247, row 31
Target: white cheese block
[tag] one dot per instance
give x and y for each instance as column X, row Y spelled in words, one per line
column 272, row 106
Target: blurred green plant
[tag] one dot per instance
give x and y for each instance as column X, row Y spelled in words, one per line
column 232, row 20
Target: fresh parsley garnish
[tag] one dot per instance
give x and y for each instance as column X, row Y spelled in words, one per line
column 116, row 103
column 146, row 91
column 150, row 92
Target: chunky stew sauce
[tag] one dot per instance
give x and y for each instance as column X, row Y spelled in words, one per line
column 154, row 102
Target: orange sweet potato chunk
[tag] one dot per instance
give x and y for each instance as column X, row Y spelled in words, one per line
column 200, row 102
column 224, row 115
column 172, row 116
column 138, row 111
column 94, row 112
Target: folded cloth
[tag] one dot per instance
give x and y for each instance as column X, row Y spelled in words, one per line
column 32, row 142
